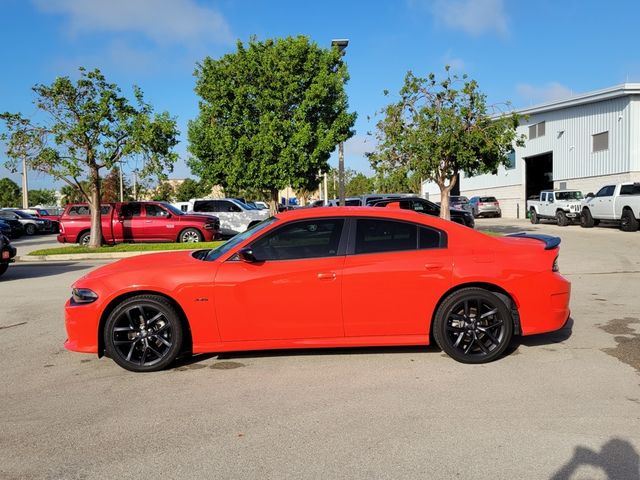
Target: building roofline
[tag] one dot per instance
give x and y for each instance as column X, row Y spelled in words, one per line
column 622, row 90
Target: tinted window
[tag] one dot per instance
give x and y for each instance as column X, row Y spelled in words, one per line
column 205, row 206
column 352, row 203
column 630, row 189
column 306, row 239
column 131, row 210
column 487, row 199
column 385, row 236
column 606, row 191
column 429, row 238
column 83, row 210
column 155, row 211
column 226, row 206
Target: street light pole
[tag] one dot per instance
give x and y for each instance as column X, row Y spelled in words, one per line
column 341, row 44
column 25, row 184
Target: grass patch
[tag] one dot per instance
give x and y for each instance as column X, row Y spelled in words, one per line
column 125, row 247
column 492, row 233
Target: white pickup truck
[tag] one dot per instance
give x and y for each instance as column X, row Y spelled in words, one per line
column 235, row 216
column 613, row 203
column 563, row 206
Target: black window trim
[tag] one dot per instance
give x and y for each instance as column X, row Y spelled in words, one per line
column 342, row 243
column 351, row 247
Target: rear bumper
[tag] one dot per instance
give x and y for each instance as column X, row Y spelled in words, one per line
column 62, row 238
column 545, row 307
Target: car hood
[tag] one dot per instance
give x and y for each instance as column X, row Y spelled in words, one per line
column 191, row 217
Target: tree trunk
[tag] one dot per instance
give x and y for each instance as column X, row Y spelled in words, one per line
column 444, row 197
column 273, row 201
column 94, row 205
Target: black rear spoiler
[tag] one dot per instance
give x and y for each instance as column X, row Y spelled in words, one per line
column 550, row 242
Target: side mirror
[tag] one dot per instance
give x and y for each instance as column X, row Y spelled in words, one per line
column 590, row 194
column 167, row 215
column 246, row 255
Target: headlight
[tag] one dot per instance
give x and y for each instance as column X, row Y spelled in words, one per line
column 210, row 226
column 83, row 295
column 40, row 222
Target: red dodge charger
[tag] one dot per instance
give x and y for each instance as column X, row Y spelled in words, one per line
column 324, row 277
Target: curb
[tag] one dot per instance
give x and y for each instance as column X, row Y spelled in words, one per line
column 86, row 256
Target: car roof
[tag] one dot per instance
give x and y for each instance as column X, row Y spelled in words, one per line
column 389, row 213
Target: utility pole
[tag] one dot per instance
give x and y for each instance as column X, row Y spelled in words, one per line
column 326, row 191
column 341, row 45
column 25, row 184
column 135, row 184
column 121, row 185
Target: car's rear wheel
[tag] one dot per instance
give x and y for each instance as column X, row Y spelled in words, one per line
column 533, row 216
column 586, row 220
column 190, row 235
column 143, row 333
column 628, row 221
column 30, row 229
column 562, row 218
column 473, row 325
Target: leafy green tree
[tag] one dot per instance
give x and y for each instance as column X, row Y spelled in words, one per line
column 110, row 191
column 360, row 184
column 10, row 195
column 72, row 194
column 88, row 126
column 191, row 188
column 163, row 193
column 270, row 115
column 398, row 180
column 42, row 197
column 439, row 128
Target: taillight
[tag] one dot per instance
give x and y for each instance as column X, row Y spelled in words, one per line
column 555, row 267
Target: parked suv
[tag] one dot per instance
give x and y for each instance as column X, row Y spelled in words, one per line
column 137, row 222
column 235, row 216
column 31, row 224
column 485, row 207
column 563, row 206
column 459, row 202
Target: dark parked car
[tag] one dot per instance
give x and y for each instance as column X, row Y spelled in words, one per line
column 31, row 224
column 11, row 228
column 421, row 205
column 7, row 252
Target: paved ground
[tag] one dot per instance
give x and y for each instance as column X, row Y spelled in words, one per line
column 27, row 244
column 562, row 406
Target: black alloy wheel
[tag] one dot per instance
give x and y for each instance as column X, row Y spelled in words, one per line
column 562, row 218
column 30, row 229
column 473, row 325
column 143, row 333
column 533, row 216
column 628, row 221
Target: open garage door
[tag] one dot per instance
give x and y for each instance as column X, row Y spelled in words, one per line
column 539, row 174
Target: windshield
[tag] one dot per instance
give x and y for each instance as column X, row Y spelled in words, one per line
column 247, row 206
column 23, row 215
column 215, row 253
column 569, row 196
column 172, row 209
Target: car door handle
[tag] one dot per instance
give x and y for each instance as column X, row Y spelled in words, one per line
column 433, row 266
column 148, row 221
column 327, row 276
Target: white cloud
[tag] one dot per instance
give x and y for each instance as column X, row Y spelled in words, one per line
column 545, row 93
column 162, row 21
column 457, row 64
column 474, row 17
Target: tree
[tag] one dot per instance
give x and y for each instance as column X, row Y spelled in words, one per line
column 10, row 195
column 397, row 180
column 42, row 197
column 111, row 187
column 163, row 193
column 191, row 188
column 360, row 184
column 89, row 126
column 72, row 194
column 270, row 115
column 440, row 128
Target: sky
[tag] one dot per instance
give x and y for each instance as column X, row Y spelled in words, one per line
column 524, row 53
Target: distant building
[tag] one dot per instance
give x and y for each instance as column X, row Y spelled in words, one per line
column 582, row 143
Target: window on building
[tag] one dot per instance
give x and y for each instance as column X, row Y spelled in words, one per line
column 600, row 141
column 511, row 160
column 537, row 130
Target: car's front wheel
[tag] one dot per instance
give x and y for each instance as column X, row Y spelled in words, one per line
column 143, row 333
column 30, row 229
column 473, row 325
column 586, row 220
column 190, row 235
column 561, row 218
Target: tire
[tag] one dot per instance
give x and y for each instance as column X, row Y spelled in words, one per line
column 190, row 235
column 460, row 335
column 533, row 216
column 628, row 221
column 147, row 348
column 84, row 239
column 3, row 268
column 586, row 220
column 562, row 218
column 30, row 229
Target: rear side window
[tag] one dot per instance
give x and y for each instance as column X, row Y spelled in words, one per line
column 376, row 236
column 487, row 199
column 83, row 210
column 131, row 210
column 306, row 239
column 205, row 206
column 352, row 203
column 630, row 189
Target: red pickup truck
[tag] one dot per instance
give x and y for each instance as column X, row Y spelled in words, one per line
column 137, row 222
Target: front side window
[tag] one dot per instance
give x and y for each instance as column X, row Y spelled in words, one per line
column 155, row 211
column 606, row 191
column 305, row 239
column 227, row 206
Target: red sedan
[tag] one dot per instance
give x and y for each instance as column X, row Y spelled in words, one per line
column 324, row 277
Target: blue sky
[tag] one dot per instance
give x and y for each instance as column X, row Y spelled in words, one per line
column 522, row 52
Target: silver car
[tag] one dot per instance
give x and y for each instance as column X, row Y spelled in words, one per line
column 485, row 207
column 235, row 216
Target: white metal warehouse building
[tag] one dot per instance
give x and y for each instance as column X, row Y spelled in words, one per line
column 581, row 143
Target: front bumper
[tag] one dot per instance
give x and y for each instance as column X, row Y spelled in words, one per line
column 81, row 323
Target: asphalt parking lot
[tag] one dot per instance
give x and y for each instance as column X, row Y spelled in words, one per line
column 564, row 405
